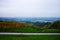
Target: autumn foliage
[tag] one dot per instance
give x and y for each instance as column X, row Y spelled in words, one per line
column 10, row 25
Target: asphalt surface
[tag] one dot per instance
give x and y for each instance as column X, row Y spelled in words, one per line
column 29, row 33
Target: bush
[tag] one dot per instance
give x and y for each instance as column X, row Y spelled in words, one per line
column 56, row 25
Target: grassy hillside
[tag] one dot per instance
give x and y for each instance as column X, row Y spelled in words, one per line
column 23, row 27
column 13, row 25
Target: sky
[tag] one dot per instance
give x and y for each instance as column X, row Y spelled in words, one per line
column 29, row 8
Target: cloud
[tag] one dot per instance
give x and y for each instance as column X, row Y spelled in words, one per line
column 29, row 8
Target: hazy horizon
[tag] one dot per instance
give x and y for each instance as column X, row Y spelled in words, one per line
column 29, row 8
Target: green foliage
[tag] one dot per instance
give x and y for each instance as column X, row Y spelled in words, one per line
column 51, row 30
column 1, row 21
column 41, row 24
column 56, row 25
column 24, row 29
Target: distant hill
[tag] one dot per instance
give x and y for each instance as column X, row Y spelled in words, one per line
column 21, row 19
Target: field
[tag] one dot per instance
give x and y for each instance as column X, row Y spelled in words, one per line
column 29, row 37
column 32, row 30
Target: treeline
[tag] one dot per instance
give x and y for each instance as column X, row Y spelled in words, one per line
column 55, row 25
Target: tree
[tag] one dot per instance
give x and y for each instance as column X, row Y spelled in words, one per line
column 56, row 25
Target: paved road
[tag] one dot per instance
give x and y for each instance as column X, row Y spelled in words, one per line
column 29, row 33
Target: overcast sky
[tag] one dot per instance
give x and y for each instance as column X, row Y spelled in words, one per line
column 29, row 8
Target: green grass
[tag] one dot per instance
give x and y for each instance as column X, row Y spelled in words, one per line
column 24, row 29
column 32, row 29
column 51, row 30
column 29, row 37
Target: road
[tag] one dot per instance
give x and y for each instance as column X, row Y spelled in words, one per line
column 29, row 33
